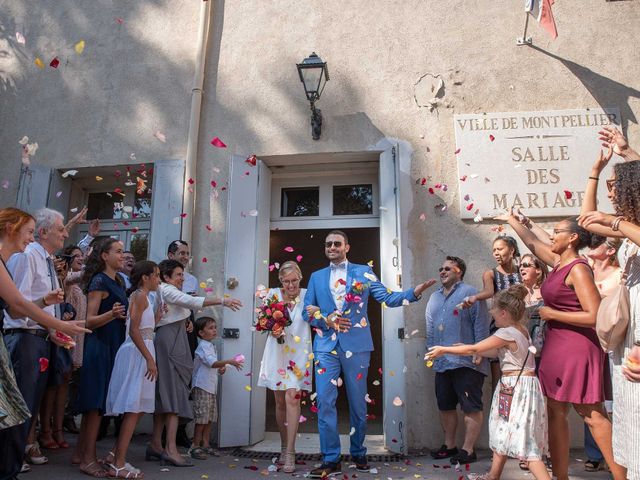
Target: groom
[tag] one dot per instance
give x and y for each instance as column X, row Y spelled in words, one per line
column 336, row 304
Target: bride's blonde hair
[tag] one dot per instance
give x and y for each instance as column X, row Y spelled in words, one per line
column 289, row 266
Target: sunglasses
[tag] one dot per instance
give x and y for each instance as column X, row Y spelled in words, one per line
column 610, row 184
column 444, row 269
column 330, row 244
column 528, row 265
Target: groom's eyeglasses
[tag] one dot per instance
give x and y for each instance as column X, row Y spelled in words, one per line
column 444, row 269
column 330, row 244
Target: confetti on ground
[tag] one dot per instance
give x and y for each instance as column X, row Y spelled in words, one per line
column 299, row 258
column 397, row 401
column 216, row 142
column 252, row 160
column 204, row 260
column 352, row 431
column 160, row 136
column 492, row 138
column 5, row 184
column 288, row 249
column 79, row 47
column 568, row 194
column 247, row 388
column 69, row 173
column 54, row 62
column 98, row 178
column 457, row 151
column 252, row 213
column 20, row 38
column 39, row 63
column 58, row 194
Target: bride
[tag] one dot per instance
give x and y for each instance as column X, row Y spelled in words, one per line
column 287, row 367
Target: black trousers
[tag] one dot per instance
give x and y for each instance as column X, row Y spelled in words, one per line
column 25, row 351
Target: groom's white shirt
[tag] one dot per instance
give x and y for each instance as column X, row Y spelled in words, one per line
column 338, row 290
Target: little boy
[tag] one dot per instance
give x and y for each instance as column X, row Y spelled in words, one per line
column 204, row 382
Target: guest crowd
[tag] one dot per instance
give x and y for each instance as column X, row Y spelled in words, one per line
column 88, row 330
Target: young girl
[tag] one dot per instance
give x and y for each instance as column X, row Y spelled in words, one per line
column 503, row 275
column 106, row 314
column 524, row 435
column 132, row 387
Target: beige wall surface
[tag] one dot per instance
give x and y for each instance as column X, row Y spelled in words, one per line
column 98, row 107
column 135, row 78
column 377, row 51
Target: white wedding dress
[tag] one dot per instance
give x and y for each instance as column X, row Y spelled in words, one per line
column 290, row 364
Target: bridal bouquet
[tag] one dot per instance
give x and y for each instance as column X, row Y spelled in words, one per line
column 272, row 317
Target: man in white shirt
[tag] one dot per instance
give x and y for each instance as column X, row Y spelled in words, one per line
column 179, row 250
column 27, row 342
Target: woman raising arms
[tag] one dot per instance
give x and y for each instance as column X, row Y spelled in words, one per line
column 572, row 363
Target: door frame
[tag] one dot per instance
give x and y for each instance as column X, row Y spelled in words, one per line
column 390, row 154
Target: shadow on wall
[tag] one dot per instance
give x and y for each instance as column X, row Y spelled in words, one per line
column 100, row 105
column 12, row 58
column 605, row 91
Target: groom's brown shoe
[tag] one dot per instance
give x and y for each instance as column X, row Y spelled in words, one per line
column 327, row 469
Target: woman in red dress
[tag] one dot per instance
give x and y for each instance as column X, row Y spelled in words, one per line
column 572, row 363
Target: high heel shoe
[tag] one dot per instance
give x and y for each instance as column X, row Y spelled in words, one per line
column 151, row 454
column 289, row 462
column 167, row 460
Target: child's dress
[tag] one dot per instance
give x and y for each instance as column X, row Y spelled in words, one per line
column 129, row 389
column 524, row 436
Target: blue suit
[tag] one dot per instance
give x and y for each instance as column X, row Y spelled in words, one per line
column 345, row 352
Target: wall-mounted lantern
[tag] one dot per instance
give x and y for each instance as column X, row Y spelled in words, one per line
column 314, row 75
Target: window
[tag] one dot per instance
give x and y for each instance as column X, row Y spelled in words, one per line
column 300, row 202
column 142, row 204
column 140, row 245
column 106, row 206
column 353, row 199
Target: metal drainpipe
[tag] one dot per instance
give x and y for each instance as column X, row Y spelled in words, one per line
column 189, row 191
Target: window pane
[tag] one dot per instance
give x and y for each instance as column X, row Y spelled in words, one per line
column 353, row 199
column 106, row 206
column 300, row 202
column 142, row 205
column 139, row 245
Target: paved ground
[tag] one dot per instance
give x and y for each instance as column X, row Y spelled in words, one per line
column 229, row 467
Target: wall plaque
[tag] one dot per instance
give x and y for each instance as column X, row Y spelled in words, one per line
column 538, row 161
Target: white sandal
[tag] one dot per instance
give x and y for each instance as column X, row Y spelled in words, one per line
column 132, row 475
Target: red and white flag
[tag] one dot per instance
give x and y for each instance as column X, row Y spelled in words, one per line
column 541, row 9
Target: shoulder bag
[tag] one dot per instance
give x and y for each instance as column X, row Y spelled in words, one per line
column 614, row 313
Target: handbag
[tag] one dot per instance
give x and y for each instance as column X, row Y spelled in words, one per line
column 505, row 395
column 612, row 319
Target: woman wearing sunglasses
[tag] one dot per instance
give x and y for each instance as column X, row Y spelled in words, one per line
column 572, row 363
column 623, row 193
